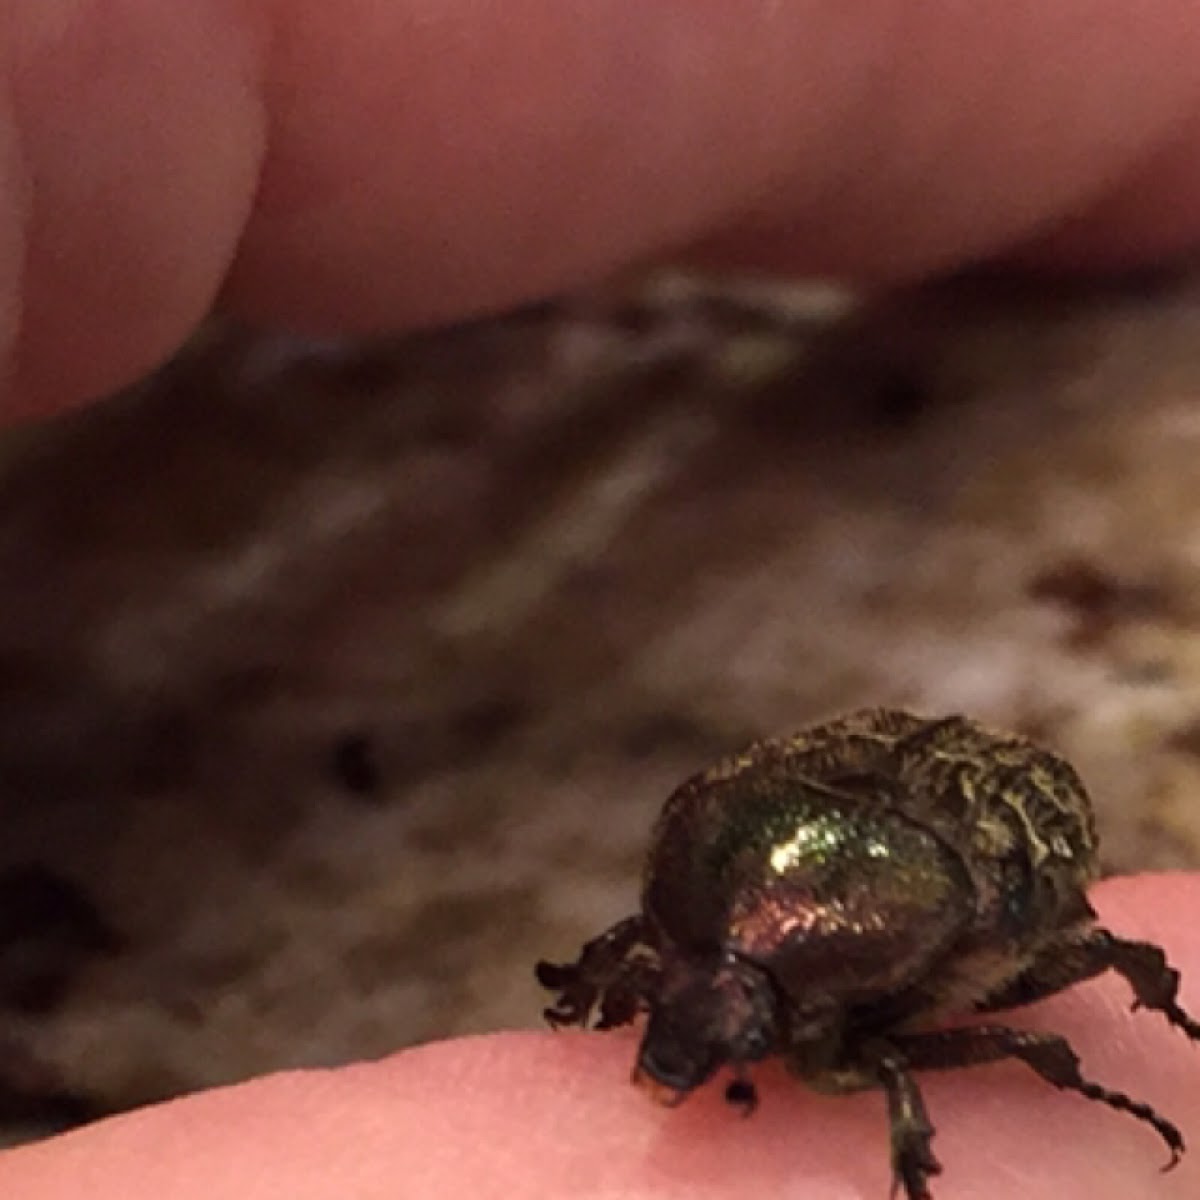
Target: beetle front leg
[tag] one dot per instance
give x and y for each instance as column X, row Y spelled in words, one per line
column 607, row 973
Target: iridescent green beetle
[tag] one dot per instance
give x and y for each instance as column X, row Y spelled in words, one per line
column 834, row 897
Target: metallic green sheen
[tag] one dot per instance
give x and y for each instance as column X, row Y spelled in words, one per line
column 836, row 894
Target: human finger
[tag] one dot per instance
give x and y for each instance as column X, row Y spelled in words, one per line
column 545, row 1116
column 377, row 164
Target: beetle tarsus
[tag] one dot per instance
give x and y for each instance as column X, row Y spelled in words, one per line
column 1145, row 968
column 1048, row 1054
column 913, row 1161
column 604, row 974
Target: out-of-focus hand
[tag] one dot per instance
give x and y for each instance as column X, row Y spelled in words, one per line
column 373, row 164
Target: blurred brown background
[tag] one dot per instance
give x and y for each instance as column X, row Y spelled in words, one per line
column 342, row 682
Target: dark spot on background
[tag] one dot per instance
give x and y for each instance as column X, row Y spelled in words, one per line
column 1186, row 739
column 655, row 733
column 483, row 723
column 898, row 399
column 167, row 752
column 32, row 1093
column 49, row 928
column 53, row 1111
column 367, row 764
column 1096, row 598
column 363, row 368
column 356, row 764
column 1078, row 585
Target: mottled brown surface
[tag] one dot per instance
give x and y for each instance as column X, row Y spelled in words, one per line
column 341, row 686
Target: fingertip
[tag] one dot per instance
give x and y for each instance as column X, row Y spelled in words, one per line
column 137, row 132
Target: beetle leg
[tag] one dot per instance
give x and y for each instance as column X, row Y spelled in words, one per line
column 628, row 993
column 1144, row 966
column 604, row 974
column 1048, row 1054
column 913, row 1161
column 1057, row 966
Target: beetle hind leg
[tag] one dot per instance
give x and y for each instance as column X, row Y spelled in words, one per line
column 609, row 975
column 1049, row 1055
column 1145, row 968
column 1142, row 965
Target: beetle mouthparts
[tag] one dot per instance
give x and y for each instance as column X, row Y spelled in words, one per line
column 659, row 1092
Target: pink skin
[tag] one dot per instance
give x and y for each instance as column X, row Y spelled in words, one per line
column 374, row 164
column 553, row 1116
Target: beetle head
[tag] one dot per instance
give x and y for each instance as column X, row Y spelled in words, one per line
column 704, row 1017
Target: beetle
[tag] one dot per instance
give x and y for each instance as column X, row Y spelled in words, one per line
column 834, row 897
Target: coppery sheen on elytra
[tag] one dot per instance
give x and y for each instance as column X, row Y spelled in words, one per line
column 834, row 897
